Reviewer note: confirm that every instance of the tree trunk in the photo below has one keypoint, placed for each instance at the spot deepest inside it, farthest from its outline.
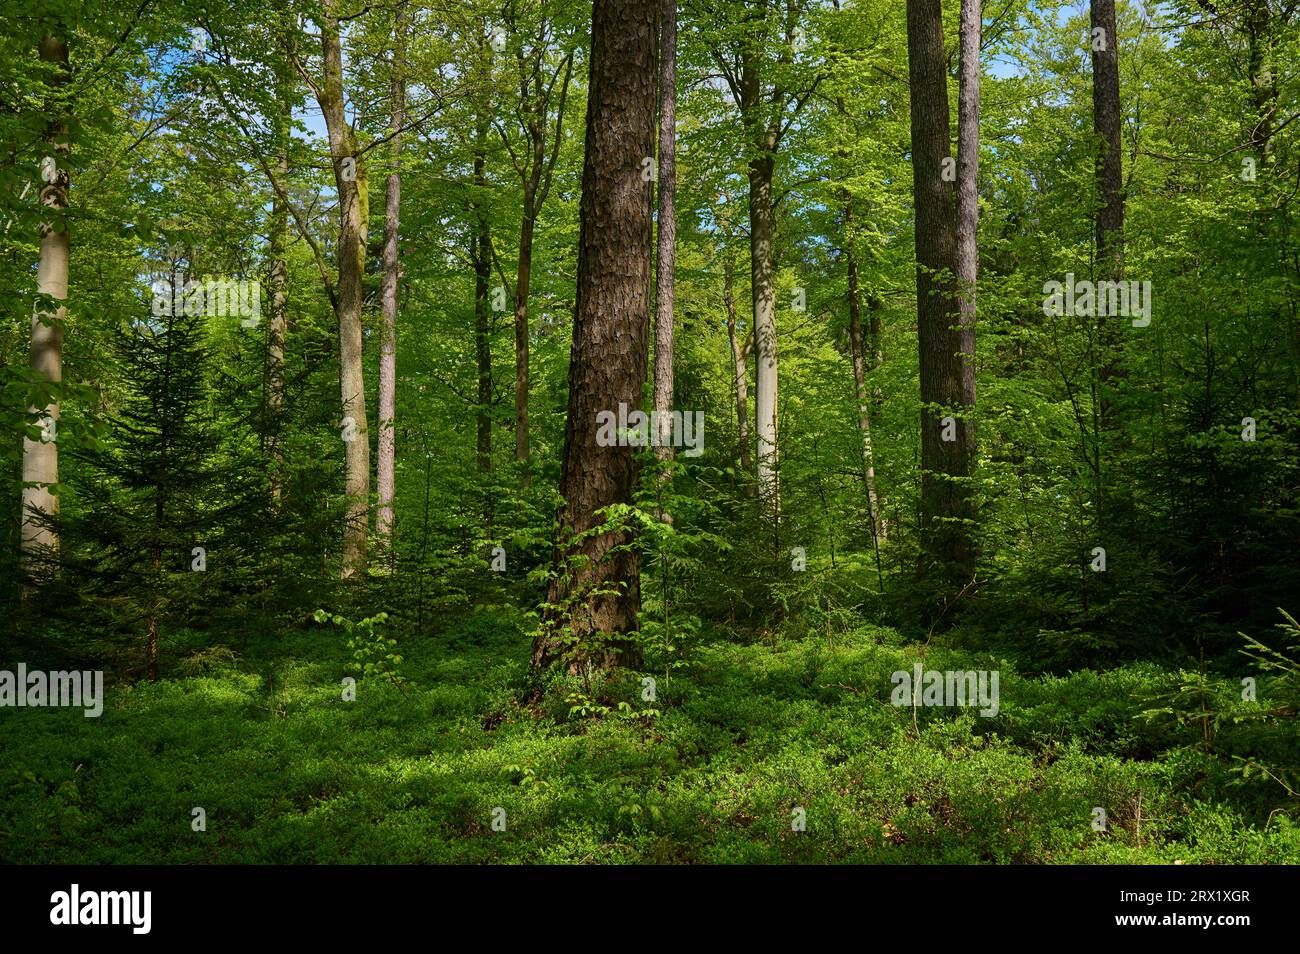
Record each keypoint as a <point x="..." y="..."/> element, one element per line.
<point x="385" y="467"/>
<point x="1108" y="173"/>
<point x="1106" y="125"/>
<point x="41" y="456"/>
<point x="946" y="545"/>
<point x="595" y="593"/>
<point x="763" y="279"/>
<point x="350" y="179"/>
<point x="967" y="255"/>
<point x="857" y="347"/>
<point x="762" y="164"/>
<point x="522" y="280"/>
<point x="535" y="177"/>
<point x="665" y="285"/>
<point x="277" y="330"/>
<point x="738" y="359"/>
<point x="1263" y="83"/>
<point x="482" y="244"/>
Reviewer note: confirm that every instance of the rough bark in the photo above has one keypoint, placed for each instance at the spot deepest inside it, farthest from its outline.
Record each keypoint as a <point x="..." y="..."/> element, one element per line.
<point x="1106" y="125"/>
<point x="385" y="467"/>
<point x="595" y="592"/>
<point x="947" y="549"/>
<point x="350" y="179"/>
<point x="667" y="221"/>
<point x="41" y="457"/>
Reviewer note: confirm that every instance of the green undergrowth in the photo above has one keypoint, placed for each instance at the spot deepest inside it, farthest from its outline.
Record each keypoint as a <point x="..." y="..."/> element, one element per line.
<point x="716" y="768"/>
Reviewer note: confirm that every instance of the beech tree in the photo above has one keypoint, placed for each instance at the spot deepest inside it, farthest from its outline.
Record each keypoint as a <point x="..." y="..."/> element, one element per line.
<point x="351" y="179"/>
<point x="41" y="454"/>
<point x="385" y="478"/>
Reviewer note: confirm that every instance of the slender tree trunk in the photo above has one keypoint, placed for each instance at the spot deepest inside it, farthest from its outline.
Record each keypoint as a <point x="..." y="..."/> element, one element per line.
<point x="597" y="581"/>
<point x="762" y="228"/>
<point x="763" y="283"/>
<point x="857" y="347"/>
<point x="350" y="179"/>
<point x="482" y="277"/>
<point x="522" y="281"/>
<point x="385" y="467"/>
<point x="535" y="178"/>
<point x="945" y="464"/>
<point x="874" y="308"/>
<point x="277" y="330"/>
<point x="665" y="285"/>
<point x="738" y="360"/>
<point x="967" y="255"/>
<point x="41" y="456"/>
<point x="1259" y="67"/>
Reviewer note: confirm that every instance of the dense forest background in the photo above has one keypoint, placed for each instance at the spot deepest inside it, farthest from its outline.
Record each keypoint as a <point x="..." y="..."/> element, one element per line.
<point x="311" y="312"/>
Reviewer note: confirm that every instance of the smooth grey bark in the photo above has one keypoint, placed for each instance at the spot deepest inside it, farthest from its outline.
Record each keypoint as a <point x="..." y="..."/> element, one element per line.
<point x="350" y="178"/>
<point x="857" y="347"/>
<point x="740" y="362"/>
<point x="385" y="467"/>
<point x="41" y="457"/>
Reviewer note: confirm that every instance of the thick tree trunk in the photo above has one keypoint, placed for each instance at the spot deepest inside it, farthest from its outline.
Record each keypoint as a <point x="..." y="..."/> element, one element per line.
<point x="350" y="179"/>
<point x="665" y="285"/>
<point x="595" y="593"/>
<point x="945" y="464"/>
<point x="41" y="457"/>
<point x="857" y="346"/>
<point x="739" y="355"/>
<point x="385" y="467"/>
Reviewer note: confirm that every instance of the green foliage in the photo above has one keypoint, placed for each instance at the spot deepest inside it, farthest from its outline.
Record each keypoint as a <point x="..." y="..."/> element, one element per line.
<point x="713" y="778"/>
<point x="373" y="653"/>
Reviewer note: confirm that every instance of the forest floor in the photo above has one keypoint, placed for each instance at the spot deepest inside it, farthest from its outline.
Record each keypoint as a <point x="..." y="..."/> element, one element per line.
<point x="744" y="735"/>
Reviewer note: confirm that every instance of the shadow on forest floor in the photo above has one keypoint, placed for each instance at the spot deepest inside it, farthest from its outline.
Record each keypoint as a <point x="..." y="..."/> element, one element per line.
<point x="748" y="741"/>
